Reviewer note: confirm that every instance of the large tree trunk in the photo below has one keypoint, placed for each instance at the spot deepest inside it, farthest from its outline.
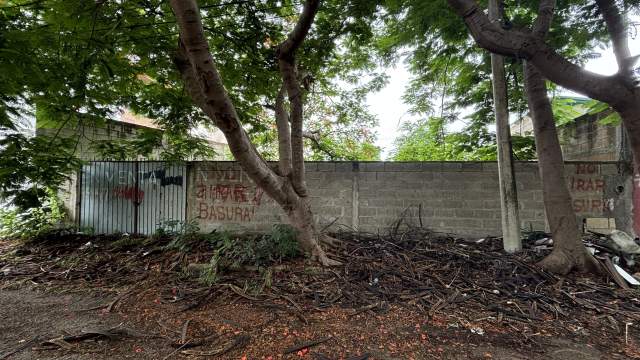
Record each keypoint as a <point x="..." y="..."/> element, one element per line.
<point x="568" y="251"/>
<point x="204" y="84"/>
<point x="301" y="217"/>
<point x="631" y="121"/>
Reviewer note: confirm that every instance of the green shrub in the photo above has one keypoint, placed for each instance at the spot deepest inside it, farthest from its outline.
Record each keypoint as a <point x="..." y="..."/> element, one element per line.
<point x="184" y="234"/>
<point x="233" y="252"/>
<point x="33" y="222"/>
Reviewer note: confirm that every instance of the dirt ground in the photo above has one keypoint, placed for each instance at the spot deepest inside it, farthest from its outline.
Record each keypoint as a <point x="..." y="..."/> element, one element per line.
<point x="398" y="334"/>
<point x="27" y="314"/>
<point x="48" y="293"/>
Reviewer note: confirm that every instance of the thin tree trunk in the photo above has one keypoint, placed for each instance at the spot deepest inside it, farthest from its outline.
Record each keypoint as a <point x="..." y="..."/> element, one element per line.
<point x="204" y="84"/>
<point x="568" y="251"/>
<point x="511" y="239"/>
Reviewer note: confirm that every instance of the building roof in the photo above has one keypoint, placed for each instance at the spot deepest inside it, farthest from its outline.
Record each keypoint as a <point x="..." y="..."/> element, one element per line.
<point x="206" y="133"/>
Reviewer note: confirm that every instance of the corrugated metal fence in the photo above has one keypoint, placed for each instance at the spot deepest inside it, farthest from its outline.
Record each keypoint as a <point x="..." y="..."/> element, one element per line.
<point x="131" y="196"/>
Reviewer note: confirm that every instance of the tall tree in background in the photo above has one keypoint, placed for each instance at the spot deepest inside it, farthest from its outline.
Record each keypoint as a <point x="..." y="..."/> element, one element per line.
<point x="286" y="184"/>
<point x="451" y="77"/>
<point x="442" y="45"/>
<point x="423" y="140"/>
<point x="621" y="90"/>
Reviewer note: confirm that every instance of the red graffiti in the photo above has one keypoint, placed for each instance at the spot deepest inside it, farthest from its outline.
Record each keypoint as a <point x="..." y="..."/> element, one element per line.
<point x="591" y="205"/>
<point x="234" y="193"/>
<point x="257" y="197"/>
<point x="129" y="193"/>
<point x="586" y="169"/>
<point x="587" y="185"/>
<point x="225" y="213"/>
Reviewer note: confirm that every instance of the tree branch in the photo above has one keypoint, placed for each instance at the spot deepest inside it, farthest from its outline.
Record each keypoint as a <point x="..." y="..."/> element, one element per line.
<point x="195" y="63"/>
<point x="526" y="46"/>
<point x="617" y="28"/>
<point x="300" y="31"/>
<point x="542" y="24"/>
<point x="288" y="70"/>
<point x="315" y="138"/>
<point x="284" y="134"/>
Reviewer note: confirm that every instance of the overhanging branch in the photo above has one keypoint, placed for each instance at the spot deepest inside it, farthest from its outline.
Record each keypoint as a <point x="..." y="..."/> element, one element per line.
<point x="617" y="28"/>
<point x="527" y="46"/>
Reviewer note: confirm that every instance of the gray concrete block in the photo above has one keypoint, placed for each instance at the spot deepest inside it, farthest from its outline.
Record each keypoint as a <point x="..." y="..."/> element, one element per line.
<point x="490" y="167"/>
<point x="435" y="167"/>
<point x="327" y="166"/>
<point x="464" y="213"/>
<point x="344" y="166"/>
<point x="368" y="211"/>
<point x="372" y="166"/>
<point x="471" y="166"/>
<point x="451" y="166"/>
<point x="310" y="167"/>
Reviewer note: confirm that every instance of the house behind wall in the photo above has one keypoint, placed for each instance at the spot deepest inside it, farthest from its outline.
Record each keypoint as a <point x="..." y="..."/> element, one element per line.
<point x="587" y="139"/>
<point x="127" y="128"/>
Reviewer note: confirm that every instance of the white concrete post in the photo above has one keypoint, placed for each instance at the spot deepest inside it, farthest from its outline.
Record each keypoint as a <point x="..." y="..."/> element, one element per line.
<point x="512" y="241"/>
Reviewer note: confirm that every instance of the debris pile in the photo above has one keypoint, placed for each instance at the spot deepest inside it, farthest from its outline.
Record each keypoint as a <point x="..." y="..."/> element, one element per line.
<point x="436" y="274"/>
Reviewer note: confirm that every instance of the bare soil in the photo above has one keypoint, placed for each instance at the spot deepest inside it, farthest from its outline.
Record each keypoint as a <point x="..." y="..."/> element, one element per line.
<point x="55" y="290"/>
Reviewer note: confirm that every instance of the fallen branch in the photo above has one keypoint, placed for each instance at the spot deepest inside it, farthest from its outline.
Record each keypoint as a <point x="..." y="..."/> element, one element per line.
<point x="20" y="348"/>
<point x="305" y="345"/>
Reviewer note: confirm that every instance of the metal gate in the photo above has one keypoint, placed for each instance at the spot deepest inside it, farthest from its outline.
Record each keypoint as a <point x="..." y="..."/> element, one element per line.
<point x="131" y="196"/>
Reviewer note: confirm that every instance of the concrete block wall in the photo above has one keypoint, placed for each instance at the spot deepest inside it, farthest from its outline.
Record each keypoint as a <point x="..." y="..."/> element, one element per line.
<point x="457" y="197"/>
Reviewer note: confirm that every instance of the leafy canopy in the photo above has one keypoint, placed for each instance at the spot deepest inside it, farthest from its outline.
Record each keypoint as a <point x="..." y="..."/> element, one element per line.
<point x="75" y="63"/>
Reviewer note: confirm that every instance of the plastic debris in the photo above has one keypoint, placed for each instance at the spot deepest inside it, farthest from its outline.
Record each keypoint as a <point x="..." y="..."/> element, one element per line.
<point x="624" y="242"/>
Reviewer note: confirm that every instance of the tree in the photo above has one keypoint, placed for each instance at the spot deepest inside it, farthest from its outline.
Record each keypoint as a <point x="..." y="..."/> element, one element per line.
<point x="427" y="140"/>
<point x="286" y="184"/>
<point x="69" y="64"/>
<point x="452" y="76"/>
<point x="91" y="56"/>
<point x="568" y="251"/>
<point x="621" y="91"/>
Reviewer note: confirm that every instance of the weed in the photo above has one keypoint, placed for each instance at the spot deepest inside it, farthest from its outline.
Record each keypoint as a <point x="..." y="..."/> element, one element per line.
<point x="234" y="252"/>
<point x="209" y="274"/>
<point x="184" y="234"/>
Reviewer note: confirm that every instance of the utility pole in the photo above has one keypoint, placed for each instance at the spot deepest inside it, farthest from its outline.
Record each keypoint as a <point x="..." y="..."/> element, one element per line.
<point x="511" y="238"/>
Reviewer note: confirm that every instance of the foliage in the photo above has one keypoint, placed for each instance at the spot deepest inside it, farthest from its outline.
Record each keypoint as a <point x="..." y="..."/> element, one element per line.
<point x="427" y="140"/>
<point x="155" y="144"/>
<point x="452" y="75"/>
<point x="32" y="222"/>
<point x="26" y="168"/>
<point x="75" y="64"/>
<point x="231" y="251"/>
<point x="183" y="234"/>
<point x="568" y="109"/>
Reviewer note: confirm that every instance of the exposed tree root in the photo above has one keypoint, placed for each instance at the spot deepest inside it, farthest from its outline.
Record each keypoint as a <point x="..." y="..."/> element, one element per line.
<point x="562" y="262"/>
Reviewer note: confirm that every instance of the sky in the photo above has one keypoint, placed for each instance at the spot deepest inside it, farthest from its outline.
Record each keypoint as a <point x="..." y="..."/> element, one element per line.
<point x="391" y="111"/>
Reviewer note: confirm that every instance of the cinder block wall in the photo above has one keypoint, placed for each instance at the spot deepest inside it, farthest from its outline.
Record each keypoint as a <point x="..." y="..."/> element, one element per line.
<point x="457" y="197"/>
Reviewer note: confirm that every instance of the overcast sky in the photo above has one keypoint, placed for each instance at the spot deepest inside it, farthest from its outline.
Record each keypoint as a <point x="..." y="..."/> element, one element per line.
<point x="391" y="111"/>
